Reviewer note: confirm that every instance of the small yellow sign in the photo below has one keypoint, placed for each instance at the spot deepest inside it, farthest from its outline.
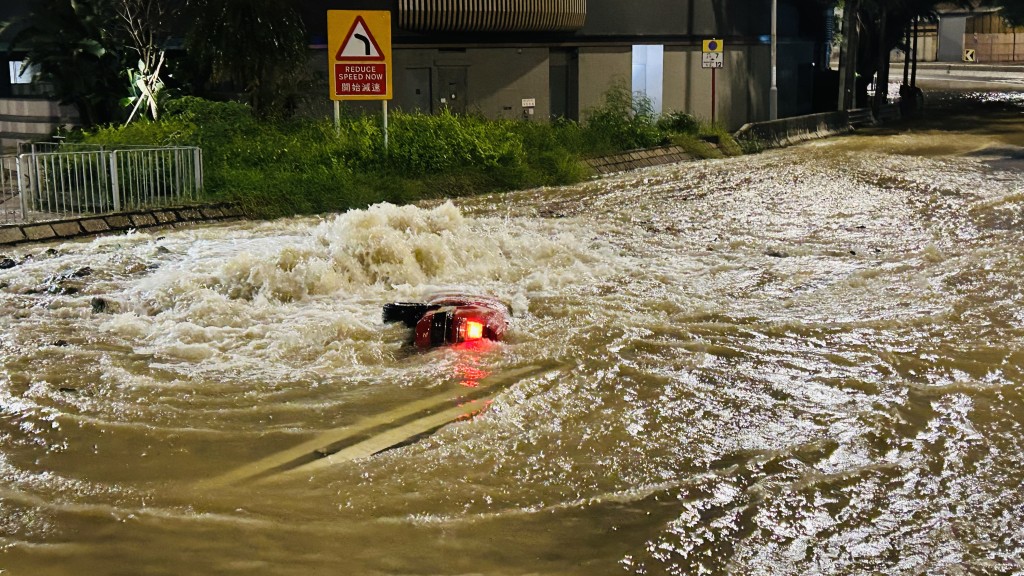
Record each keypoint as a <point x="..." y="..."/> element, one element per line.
<point x="359" y="45"/>
<point x="969" y="55"/>
<point x="714" y="45"/>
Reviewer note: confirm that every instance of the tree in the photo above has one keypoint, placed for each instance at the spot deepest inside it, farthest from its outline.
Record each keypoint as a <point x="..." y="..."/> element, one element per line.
<point x="69" y="46"/>
<point x="147" y="26"/>
<point x="882" y="25"/>
<point x="1012" y="10"/>
<point x="255" y="47"/>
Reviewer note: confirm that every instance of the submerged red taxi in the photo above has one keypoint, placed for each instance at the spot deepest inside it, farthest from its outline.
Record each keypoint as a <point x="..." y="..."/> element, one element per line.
<point x="451" y="319"/>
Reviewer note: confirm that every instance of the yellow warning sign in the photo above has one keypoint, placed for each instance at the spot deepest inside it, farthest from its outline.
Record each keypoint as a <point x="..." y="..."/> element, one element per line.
<point x="359" y="43"/>
<point x="969" y="55"/>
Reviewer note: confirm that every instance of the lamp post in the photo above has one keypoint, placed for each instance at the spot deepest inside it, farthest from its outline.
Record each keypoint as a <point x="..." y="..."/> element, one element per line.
<point x="773" y="93"/>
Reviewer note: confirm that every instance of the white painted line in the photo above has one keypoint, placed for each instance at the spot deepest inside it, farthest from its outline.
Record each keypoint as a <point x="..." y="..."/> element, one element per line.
<point x="437" y="409"/>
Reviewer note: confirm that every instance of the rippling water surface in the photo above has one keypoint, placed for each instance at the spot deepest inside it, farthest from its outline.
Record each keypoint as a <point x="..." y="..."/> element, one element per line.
<point x="805" y="361"/>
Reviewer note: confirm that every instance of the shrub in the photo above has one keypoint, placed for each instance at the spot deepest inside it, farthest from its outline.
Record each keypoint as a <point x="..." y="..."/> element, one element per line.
<point x="679" y="123"/>
<point x="277" y="167"/>
<point x="624" y="121"/>
<point x="421" y="144"/>
<point x="726" y="143"/>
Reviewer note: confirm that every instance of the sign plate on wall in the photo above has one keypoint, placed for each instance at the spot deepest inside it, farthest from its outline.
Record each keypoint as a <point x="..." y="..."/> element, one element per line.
<point x="712" y="54"/>
<point x="712" y="60"/>
<point x="359" y="43"/>
<point x="713" y="45"/>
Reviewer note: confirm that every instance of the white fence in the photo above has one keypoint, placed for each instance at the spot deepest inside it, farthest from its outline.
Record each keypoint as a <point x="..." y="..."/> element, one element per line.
<point x="141" y="177"/>
<point x="11" y="209"/>
<point x="65" y="183"/>
<point x="41" y="184"/>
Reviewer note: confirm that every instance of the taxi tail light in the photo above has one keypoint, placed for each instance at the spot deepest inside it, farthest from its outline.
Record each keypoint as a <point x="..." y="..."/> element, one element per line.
<point x="474" y="330"/>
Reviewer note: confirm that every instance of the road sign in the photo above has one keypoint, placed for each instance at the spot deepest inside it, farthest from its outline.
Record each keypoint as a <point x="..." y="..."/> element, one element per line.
<point x="713" y="57"/>
<point x="713" y="45"/>
<point x="712" y="60"/>
<point x="360" y="42"/>
<point x="969" y="55"/>
<point x="713" y="54"/>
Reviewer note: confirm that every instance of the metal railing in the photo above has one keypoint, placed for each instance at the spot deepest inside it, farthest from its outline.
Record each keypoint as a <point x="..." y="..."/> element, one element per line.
<point x="66" y="183"/>
<point x="44" y="147"/>
<point x="11" y="208"/>
<point x="69" y="181"/>
<point x="154" y="176"/>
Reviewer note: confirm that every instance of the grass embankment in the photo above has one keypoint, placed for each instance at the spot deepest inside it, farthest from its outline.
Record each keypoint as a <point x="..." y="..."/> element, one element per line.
<point x="302" y="166"/>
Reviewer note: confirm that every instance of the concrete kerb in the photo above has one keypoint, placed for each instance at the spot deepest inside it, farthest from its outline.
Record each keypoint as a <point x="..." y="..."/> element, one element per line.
<point x="772" y="134"/>
<point x="789" y="131"/>
<point x="973" y="69"/>
<point x="635" y="159"/>
<point x="94" y="225"/>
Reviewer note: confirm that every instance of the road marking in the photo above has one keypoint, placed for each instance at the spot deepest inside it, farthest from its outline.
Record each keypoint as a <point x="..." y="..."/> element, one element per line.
<point x="379" y="432"/>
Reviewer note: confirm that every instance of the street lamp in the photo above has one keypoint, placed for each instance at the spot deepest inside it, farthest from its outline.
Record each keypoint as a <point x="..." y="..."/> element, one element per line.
<point x="773" y="94"/>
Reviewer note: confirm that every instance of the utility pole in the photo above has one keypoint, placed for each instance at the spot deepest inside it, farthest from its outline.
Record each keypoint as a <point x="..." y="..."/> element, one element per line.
<point x="882" y="75"/>
<point x="906" y="56"/>
<point x="773" y="93"/>
<point x="913" y="63"/>
<point x="848" y="56"/>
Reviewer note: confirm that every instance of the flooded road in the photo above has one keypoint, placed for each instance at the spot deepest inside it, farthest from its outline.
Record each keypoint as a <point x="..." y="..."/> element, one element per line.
<point x="806" y="361"/>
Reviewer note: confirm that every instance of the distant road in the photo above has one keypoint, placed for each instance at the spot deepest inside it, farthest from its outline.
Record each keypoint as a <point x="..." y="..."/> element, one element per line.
<point x="961" y="76"/>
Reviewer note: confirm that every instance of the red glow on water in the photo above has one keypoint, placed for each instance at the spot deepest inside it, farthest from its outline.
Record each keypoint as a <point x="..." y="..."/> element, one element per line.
<point x="470" y="376"/>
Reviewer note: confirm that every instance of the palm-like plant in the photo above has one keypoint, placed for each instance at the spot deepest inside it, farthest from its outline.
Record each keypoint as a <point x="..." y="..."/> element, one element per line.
<point x="147" y="26"/>
<point x="69" y="47"/>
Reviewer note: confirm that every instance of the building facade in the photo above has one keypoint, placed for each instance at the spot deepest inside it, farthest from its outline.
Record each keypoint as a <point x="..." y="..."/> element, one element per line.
<point x="979" y="36"/>
<point x="543" y="59"/>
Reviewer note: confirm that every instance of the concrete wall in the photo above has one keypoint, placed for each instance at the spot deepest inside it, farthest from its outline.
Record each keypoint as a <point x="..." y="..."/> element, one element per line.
<point x="498" y="90"/>
<point x="497" y="80"/>
<point x="492" y="81"/>
<point x="599" y="69"/>
<point x="31" y="119"/>
<point x="1007" y="47"/>
<point x="638" y="18"/>
<point x="989" y="48"/>
<point x="740" y="86"/>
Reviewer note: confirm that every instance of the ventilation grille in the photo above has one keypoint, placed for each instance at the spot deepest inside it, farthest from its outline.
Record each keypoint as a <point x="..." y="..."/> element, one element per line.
<point x="492" y="15"/>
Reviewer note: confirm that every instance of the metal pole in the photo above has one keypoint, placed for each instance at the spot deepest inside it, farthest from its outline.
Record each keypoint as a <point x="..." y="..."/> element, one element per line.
<point x="773" y="94"/>
<point x="385" y="124"/>
<point x="713" y="103"/>
<point x="848" y="57"/>
<point x="115" y="183"/>
<point x="913" y="63"/>
<point x="906" y="58"/>
<point x="882" y="74"/>
<point x="22" y="191"/>
<point x="337" y="116"/>
<point x="198" y="160"/>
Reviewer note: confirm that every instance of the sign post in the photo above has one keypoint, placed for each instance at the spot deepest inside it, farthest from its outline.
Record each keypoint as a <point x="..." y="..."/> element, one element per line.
<point x="359" y="43"/>
<point x="713" y="57"/>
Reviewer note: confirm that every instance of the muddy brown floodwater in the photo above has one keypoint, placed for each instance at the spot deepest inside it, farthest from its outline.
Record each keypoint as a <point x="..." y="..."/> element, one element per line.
<point x="806" y="361"/>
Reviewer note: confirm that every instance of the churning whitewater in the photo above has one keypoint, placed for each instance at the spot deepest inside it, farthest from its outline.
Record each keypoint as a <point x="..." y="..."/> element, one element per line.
<point x="805" y="361"/>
